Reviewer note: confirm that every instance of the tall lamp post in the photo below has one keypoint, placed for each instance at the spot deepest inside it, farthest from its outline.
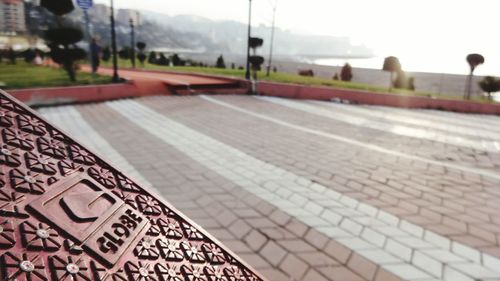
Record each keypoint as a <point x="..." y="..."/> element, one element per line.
<point x="132" y="42"/>
<point x="115" y="78"/>
<point x="247" y="74"/>
<point x="269" y="65"/>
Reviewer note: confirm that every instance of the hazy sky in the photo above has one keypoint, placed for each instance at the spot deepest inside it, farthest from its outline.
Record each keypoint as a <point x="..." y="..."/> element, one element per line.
<point x="435" y="35"/>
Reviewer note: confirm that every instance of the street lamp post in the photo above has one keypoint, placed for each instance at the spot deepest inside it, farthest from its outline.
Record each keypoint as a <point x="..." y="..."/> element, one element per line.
<point x="269" y="65"/>
<point x="247" y="74"/>
<point x="115" y="78"/>
<point x="132" y="42"/>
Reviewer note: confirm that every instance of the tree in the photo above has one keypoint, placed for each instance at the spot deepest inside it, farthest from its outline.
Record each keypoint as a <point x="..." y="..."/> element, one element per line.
<point x="220" y="62"/>
<point x="489" y="85"/>
<point x="176" y="60"/>
<point x="58" y="7"/>
<point x="152" y="57"/>
<point x="474" y="60"/>
<point x="63" y="50"/>
<point x="62" y="40"/>
<point x="163" y="60"/>
<point x="256" y="42"/>
<point x="106" y="54"/>
<point x="29" y="55"/>
<point x="346" y="73"/>
<point x="125" y="53"/>
<point x="391" y="64"/>
<point x="141" y="56"/>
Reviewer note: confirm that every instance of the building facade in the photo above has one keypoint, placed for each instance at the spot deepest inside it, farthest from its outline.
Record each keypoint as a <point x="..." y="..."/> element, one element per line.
<point x="123" y="16"/>
<point x="12" y="17"/>
<point x="100" y="13"/>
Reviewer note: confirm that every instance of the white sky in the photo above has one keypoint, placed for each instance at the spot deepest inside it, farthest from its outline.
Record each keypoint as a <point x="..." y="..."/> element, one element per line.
<point x="432" y="35"/>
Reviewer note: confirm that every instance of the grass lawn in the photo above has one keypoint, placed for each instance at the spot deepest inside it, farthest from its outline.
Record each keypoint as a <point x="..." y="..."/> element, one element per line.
<point x="23" y="75"/>
<point x="282" y="77"/>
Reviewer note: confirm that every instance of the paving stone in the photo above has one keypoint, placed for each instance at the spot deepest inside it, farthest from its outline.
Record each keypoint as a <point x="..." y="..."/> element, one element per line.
<point x="273" y="253"/>
<point x="317" y="258"/>
<point x="362" y="266"/>
<point x="296" y="246"/>
<point x="340" y="274"/>
<point x="338" y="251"/>
<point x="312" y="274"/>
<point x="294" y="266"/>
<point x="240" y="228"/>
<point x="255" y="240"/>
<point x="275" y="275"/>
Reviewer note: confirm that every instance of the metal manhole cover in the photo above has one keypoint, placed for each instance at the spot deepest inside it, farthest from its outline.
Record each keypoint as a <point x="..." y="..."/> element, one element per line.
<point x="65" y="214"/>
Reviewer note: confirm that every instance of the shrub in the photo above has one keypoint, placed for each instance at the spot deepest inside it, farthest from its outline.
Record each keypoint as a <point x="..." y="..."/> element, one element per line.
<point x="106" y="54"/>
<point x="163" y="60"/>
<point x="152" y="58"/>
<point x="220" y="62"/>
<point x="63" y="50"/>
<point x="489" y="85"/>
<point x="346" y="73"/>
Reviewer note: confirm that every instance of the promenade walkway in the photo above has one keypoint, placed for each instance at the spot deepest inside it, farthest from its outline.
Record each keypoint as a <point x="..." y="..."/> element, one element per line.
<point x="306" y="190"/>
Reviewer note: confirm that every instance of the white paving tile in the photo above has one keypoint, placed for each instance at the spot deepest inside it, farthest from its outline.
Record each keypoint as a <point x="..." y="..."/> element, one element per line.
<point x="406" y="271"/>
<point x="398" y="249"/>
<point x="380" y="257"/>
<point x="428" y="264"/>
<point x="444" y="256"/>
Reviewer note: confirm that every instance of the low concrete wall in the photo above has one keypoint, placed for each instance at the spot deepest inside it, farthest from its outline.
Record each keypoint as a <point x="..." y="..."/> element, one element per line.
<point x="370" y="98"/>
<point x="91" y="93"/>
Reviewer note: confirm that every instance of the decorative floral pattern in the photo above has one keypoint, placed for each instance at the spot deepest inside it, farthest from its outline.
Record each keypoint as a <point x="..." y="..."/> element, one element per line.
<point x="40" y="163"/>
<point x="193" y="252"/>
<point x="39" y="236"/>
<point x="213" y="253"/>
<point x="168" y="272"/>
<point x="9" y="204"/>
<point x="69" y="268"/>
<point x="25" y="267"/>
<point x="18" y="139"/>
<point x="103" y="176"/>
<point x="215" y="273"/>
<point x="7" y="238"/>
<point x="27" y="182"/>
<point x="191" y="232"/>
<point x="5" y="118"/>
<point x="31" y="125"/>
<point x="9" y="156"/>
<point x="146" y="249"/>
<point x="80" y="155"/>
<point x="170" y="250"/>
<point x="52" y="147"/>
<point x="193" y="273"/>
<point x="148" y="205"/>
<point x="140" y="272"/>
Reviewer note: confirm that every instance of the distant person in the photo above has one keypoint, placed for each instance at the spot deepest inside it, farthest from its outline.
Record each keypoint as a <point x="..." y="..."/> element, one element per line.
<point x="38" y="59"/>
<point x="95" y="51"/>
<point x="11" y="55"/>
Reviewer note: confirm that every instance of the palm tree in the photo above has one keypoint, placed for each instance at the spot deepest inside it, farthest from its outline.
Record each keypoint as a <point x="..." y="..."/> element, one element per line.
<point x="474" y="60"/>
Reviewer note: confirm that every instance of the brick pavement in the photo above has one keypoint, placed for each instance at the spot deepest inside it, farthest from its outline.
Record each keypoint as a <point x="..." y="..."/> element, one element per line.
<point x="419" y="200"/>
<point x="279" y="246"/>
<point x="485" y="141"/>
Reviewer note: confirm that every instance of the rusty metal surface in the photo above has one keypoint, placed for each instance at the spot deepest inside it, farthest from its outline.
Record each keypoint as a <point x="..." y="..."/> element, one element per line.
<point x="66" y="214"/>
